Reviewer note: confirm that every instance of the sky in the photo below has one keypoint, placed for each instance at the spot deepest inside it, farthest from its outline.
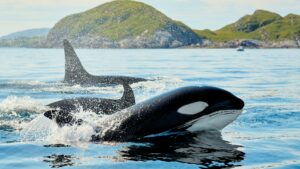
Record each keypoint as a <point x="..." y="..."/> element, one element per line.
<point x="16" y="15"/>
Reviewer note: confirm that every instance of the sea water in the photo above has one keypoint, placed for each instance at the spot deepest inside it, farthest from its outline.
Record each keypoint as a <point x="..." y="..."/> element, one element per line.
<point x="265" y="135"/>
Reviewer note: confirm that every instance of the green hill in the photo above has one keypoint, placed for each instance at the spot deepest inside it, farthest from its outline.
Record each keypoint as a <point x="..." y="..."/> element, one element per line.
<point x="121" y="23"/>
<point x="206" y="33"/>
<point x="261" y="25"/>
<point x="285" y="28"/>
<point x="250" y="23"/>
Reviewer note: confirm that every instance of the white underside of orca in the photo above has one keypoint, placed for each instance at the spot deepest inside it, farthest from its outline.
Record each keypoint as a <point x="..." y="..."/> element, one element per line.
<point x="214" y="121"/>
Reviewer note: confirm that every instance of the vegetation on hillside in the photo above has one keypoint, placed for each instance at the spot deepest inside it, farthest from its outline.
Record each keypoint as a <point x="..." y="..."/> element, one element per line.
<point x="114" y="20"/>
<point x="117" y="20"/>
<point x="261" y="25"/>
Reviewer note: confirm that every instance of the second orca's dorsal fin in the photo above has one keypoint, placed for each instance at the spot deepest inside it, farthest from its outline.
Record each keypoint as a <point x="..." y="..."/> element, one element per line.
<point x="128" y="95"/>
<point x="74" y="71"/>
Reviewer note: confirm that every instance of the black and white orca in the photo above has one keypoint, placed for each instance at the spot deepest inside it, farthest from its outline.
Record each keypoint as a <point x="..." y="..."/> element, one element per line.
<point x="190" y="109"/>
<point x="61" y="110"/>
<point x="75" y="73"/>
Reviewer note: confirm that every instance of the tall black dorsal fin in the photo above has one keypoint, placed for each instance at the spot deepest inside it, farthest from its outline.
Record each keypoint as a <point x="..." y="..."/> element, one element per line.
<point x="74" y="71"/>
<point x="128" y="95"/>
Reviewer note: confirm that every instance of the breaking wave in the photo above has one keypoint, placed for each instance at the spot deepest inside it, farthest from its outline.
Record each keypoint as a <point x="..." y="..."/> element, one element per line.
<point x="17" y="111"/>
<point x="46" y="131"/>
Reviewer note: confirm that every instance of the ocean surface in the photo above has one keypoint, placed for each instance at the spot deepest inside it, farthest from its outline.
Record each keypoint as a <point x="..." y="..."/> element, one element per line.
<point x="265" y="135"/>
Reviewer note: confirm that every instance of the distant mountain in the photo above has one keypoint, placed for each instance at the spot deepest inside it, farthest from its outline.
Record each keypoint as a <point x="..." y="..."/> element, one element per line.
<point x="31" y="38"/>
<point x="261" y="25"/>
<point x="24" y="42"/>
<point x="130" y="24"/>
<point x="122" y="24"/>
<point x="40" y="32"/>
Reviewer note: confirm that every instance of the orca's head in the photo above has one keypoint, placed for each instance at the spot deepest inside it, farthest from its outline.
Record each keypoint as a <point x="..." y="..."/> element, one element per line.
<point x="209" y="107"/>
<point x="62" y="118"/>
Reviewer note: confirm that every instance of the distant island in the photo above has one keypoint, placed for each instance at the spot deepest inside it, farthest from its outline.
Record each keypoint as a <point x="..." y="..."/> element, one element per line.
<point x="261" y="29"/>
<point x="31" y="38"/>
<point x="131" y="24"/>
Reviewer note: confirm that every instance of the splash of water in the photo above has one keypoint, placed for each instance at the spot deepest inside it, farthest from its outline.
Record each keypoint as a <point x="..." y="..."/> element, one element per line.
<point x="13" y="104"/>
<point x="45" y="131"/>
<point x="17" y="111"/>
<point x="153" y="86"/>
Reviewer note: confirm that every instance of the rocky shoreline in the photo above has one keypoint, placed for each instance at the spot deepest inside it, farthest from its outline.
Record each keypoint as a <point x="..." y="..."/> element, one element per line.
<point x="156" y="43"/>
<point x="248" y="43"/>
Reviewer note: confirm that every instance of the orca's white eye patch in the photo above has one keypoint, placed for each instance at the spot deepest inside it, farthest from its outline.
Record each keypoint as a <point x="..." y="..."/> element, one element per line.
<point x="192" y="108"/>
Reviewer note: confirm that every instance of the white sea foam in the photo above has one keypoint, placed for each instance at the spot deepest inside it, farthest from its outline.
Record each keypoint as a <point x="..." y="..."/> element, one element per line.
<point x="158" y="85"/>
<point x="27" y="82"/>
<point x="17" y="111"/>
<point x="46" y="131"/>
<point x="82" y="89"/>
<point x="13" y="104"/>
<point x="155" y="85"/>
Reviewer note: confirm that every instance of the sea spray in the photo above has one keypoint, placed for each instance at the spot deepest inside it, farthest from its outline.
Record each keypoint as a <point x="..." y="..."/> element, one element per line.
<point x="37" y="130"/>
<point x="42" y="130"/>
<point x="153" y="86"/>
<point x="13" y="104"/>
<point x="17" y="111"/>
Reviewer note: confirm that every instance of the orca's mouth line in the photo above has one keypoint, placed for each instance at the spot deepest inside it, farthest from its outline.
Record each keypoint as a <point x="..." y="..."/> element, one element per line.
<point x="227" y="105"/>
<point x="237" y="112"/>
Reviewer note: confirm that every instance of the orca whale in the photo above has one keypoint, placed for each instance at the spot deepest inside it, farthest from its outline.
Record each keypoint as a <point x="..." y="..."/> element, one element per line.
<point x="75" y="73"/>
<point x="190" y="109"/>
<point x="61" y="109"/>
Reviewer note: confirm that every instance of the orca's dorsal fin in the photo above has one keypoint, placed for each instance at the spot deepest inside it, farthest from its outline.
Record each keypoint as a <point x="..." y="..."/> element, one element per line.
<point x="128" y="95"/>
<point x="74" y="71"/>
